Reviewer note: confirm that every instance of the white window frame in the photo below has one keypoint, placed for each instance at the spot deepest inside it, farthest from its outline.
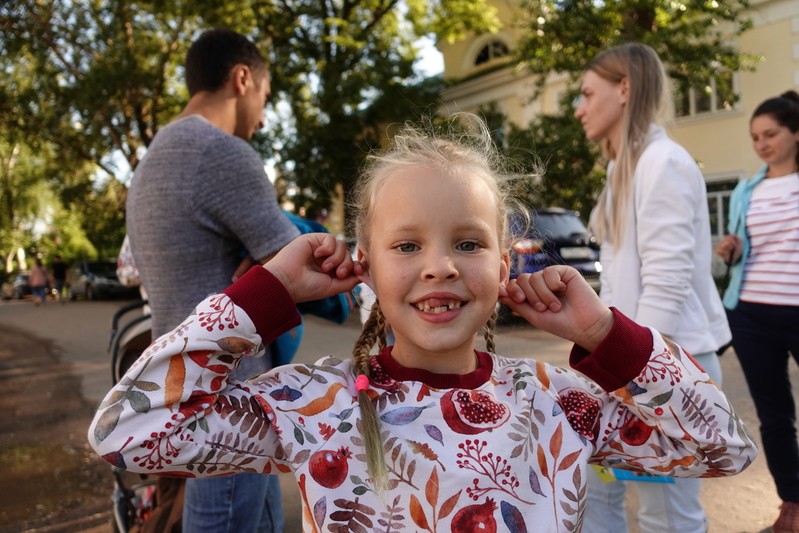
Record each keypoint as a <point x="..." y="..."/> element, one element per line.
<point x="715" y="107"/>
<point x="721" y="199"/>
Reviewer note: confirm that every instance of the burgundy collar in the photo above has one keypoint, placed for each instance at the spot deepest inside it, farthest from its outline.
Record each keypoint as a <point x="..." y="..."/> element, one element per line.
<point x="472" y="380"/>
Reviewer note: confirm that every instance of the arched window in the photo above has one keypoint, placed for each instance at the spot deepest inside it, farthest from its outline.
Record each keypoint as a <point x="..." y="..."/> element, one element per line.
<point x="491" y="51"/>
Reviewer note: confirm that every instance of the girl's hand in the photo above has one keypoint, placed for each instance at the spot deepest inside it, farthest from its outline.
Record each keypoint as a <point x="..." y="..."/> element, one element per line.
<point x="730" y="249"/>
<point x="314" y="266"/>
<point x="558" y="300"/>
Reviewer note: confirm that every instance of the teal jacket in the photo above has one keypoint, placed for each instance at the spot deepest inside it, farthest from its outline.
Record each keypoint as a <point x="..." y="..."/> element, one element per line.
<point x="739" y="205"/>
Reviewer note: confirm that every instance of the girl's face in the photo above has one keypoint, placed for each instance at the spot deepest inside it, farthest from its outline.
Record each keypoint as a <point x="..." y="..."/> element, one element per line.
<point x="601" y="107"/>
<point x="435" y="264"/>
<point x="773" y="142"/>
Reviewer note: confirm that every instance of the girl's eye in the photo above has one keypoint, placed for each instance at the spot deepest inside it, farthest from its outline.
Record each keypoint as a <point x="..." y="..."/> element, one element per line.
<point x="468" y="246"/>
<point x="406" y="247"/>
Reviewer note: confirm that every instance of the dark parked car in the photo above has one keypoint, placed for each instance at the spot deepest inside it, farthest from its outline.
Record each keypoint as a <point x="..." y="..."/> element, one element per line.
<point x="17" y="287"/>
<point x="97" y="279"/>
<point x="555" y="236"/>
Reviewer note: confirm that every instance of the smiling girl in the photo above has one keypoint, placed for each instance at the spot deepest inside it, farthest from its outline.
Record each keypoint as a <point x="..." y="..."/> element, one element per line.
<point x="432" y="433"/>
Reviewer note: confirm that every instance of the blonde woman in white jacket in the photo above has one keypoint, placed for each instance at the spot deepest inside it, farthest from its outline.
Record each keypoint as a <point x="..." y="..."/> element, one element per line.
<point x="652" y="220"/>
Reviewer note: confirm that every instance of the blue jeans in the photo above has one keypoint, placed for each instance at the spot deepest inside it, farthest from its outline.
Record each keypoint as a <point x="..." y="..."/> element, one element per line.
<point x="764" y="337"/>
<point x="664" y="507"/>
<point x="242" y="503"/>
<point x="40" y="293"/>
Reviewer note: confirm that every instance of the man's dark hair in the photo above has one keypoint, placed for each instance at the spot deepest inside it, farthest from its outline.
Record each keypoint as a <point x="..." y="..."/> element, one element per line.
<point x="214" y="53"/>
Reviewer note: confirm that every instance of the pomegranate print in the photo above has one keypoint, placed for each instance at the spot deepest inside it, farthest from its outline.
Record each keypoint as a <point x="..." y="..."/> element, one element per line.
<point x="470" y="412"/>
<point x="581" y="410"/>
<point x="635" y="432"/>
<point x="476" y="518"/>
<point x="329" y="468"/>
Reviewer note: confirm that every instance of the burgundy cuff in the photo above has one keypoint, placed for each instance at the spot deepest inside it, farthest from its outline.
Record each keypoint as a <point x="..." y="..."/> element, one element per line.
<point x="619" y="358"/>
<point x="267" y="303"/>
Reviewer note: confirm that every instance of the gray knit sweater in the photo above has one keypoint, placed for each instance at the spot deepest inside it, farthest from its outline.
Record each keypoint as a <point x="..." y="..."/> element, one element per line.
<point x="198" y="199"/>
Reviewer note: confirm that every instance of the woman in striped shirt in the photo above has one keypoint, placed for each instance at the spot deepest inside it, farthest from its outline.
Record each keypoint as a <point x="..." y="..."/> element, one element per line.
<point x="762" y="299"/>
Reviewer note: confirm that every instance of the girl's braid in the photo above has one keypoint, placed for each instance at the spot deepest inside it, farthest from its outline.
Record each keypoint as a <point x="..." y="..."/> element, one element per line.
<point x="488" y="331"/>
<point x="369" y="334"/>
<point x="381" y="326"/>
<point x="370" y="423"/>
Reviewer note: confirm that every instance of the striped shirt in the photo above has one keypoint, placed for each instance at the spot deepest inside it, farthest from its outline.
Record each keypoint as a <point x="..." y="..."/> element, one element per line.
<point x="771" y="272"/>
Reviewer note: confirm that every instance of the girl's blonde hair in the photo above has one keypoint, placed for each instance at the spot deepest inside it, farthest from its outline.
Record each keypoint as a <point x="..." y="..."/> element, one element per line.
<point x="466" y="153"/>
<point x="647" y="103"/>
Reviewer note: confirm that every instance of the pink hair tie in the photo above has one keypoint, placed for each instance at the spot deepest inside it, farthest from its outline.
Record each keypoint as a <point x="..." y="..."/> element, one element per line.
<point x="361" y="382"/>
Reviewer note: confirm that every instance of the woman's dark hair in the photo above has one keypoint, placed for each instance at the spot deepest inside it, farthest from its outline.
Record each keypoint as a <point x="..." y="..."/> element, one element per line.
<point x="214" y="54"/>
<point x="785" y="110"/>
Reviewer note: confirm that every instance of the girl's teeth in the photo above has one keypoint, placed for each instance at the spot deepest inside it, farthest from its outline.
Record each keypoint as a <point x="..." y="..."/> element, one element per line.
<point x="439" y="309"/>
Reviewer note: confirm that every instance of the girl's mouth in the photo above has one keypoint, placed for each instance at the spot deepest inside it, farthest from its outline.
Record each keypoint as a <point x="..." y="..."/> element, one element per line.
<point x="436" y="306"/>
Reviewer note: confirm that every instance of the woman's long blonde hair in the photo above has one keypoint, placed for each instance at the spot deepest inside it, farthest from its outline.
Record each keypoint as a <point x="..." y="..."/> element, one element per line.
<point x="647" y="103"/>
<point x="466" y="154"/>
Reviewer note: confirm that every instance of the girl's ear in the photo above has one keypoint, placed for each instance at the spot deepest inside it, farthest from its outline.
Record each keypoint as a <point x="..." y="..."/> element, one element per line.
<point x="504" y="269"/>
<point x="363" y="259"/>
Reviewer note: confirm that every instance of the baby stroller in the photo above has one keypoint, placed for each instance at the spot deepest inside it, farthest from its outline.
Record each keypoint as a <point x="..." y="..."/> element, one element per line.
<point x="133" y="493"/>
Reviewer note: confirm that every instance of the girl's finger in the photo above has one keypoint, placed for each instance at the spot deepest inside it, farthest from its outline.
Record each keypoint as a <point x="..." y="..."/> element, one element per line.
<point x="534" y="291"/>
<point x="547" y="284"/>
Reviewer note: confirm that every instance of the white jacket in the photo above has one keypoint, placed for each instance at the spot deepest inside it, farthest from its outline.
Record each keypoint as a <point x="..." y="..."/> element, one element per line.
<point x="661" y="274"/>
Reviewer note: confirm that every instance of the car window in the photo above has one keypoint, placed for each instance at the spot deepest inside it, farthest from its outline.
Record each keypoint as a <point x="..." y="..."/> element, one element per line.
<point x="558" y="225"/>
<point x="103" y="268"/>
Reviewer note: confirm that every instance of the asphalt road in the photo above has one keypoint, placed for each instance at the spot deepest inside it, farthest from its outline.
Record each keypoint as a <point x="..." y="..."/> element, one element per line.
<point x="54" y="369"/>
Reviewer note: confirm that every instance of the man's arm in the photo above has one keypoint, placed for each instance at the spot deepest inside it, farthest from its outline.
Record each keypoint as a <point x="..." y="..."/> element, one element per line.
<point x="247" y="263"/>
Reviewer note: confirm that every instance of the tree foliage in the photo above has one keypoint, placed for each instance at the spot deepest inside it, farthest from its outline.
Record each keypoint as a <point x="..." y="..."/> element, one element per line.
<point x="692" y="37"/>
<point x="343" y="71"/>
<point x="91" y="83"/>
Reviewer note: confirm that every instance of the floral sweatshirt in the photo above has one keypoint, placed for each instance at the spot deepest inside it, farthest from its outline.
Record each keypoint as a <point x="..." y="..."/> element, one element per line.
<point x="504" y="448"/>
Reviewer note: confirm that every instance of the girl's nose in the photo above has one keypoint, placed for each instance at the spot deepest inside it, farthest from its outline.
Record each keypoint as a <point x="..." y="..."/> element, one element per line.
<point x="440" y="266"/>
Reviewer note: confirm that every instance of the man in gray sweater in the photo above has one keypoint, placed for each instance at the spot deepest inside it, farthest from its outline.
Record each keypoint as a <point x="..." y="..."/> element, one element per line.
<point x="198" y="199"/>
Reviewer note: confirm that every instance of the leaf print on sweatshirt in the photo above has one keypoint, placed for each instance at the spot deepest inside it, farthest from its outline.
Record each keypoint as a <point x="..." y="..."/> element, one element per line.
<point x="392" y="519"/>
<point x="131" y="390"/>
<point x="526" y="430"/>
<point x="404" y="415"/>
<point x="317" y="405"/>
<point x="228" y="453"/>
<point x="557" y="466"/>
<point x="351" y="516"/>
<point x="513" y="518"/>
<point x="701" y="415"/>
<point x="316" y="373"/>
<point x="245" y="413"/>
<point x="431" y="495"/>
<point x="397" y="462"/>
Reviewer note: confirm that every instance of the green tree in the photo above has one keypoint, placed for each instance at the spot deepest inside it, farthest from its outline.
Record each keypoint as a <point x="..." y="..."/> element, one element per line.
<point x="692" y="37"/>
<point x="343" y="71"/>
<point x="96" y="79"/>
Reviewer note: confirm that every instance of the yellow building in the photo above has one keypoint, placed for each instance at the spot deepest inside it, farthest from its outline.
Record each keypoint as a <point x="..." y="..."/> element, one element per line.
<point x="715" y="133"/>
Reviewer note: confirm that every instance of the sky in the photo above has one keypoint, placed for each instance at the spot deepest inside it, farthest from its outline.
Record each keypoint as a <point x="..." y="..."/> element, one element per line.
<point x="432" y="61"/>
